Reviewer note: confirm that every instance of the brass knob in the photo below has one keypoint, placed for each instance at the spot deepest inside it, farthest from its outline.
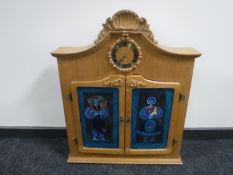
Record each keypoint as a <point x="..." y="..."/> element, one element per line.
<point x="128" y="121"/>
<point x="122" y="119"/>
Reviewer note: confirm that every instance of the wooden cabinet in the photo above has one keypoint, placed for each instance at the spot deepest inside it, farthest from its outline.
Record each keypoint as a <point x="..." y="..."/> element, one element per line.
<point x="125" y="96"/>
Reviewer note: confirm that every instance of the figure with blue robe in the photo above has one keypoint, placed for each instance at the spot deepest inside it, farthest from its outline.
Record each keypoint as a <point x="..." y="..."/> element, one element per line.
<point x="149" y="116"/>
<point x="97" y="113"/>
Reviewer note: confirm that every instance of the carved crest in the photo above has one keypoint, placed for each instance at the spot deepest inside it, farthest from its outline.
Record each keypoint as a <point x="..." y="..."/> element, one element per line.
<point x="126" y="20"/>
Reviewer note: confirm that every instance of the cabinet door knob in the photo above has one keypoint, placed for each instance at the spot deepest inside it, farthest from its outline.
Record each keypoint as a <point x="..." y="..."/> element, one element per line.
<point x="122" y="119"/>
<point x="128" y="121"/>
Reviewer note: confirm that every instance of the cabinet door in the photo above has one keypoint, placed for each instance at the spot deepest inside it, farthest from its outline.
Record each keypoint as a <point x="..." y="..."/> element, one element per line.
<point x="151" y="109"/>
<point x="98" y="107"/>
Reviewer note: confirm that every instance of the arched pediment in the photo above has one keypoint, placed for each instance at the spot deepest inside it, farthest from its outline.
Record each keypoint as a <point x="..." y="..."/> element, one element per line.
<point x="125" y="21"/>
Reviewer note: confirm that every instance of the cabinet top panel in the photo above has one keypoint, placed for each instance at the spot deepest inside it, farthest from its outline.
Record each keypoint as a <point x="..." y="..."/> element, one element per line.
<point x="125" y="23"/>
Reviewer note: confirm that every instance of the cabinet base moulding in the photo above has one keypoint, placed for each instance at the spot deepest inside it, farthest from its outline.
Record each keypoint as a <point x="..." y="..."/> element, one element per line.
<point x="124" y="160"/>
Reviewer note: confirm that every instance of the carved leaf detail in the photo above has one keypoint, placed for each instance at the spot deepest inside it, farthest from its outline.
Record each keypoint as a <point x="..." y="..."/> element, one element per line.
<point x="134" y="83"/>
<point x="114" y="83"/>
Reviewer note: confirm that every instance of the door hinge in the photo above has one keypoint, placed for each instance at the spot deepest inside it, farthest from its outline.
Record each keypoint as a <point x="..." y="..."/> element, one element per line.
<point x="68" y="96"/>
<point x="174" y="141"/>
<point x="181" y="97"/>
<point x="75" y="140"/>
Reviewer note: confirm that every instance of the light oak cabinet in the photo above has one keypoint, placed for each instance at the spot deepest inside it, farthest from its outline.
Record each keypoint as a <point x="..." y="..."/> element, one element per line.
<point x="125" y="96"/>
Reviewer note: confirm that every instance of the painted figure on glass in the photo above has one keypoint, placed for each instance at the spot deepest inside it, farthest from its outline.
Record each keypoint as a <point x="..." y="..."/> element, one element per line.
<point x="97" y="112"/>
<point x="149" y="116"/>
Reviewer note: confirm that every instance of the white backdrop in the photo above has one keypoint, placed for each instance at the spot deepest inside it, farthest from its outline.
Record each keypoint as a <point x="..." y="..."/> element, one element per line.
<point x="30" y="30"/>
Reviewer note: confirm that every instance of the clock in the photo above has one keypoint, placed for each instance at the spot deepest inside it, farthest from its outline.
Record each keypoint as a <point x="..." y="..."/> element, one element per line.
<point x="125" y="54"/>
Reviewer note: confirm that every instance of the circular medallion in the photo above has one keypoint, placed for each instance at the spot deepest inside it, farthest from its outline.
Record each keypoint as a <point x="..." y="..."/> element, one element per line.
<point x="125" y="54"/>
<point x="150" y="125"/>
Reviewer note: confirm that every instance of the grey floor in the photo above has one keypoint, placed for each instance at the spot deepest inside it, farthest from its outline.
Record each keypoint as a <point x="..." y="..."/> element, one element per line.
<point x="22" y="156"/>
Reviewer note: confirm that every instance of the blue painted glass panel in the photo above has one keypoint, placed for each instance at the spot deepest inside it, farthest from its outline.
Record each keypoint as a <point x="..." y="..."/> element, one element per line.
<point x="99" y="108"/>
<point x="151" y="114"/>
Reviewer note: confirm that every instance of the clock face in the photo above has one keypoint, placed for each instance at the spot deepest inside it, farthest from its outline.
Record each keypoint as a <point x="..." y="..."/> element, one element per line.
<point x="125" y="54"/>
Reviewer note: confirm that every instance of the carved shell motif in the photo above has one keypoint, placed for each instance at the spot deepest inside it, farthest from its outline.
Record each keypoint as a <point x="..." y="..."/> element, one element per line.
<point x="126" y="20"/>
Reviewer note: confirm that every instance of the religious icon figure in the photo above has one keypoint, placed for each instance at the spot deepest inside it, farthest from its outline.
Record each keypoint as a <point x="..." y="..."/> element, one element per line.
<point x="150" y="115"/>
<point x="97" y="112"/>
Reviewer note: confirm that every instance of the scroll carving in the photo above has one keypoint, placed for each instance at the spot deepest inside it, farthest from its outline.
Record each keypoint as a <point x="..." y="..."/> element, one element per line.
<point x="126" y="20"/>
<point x="114" y="83"/>
<point x="136" y="84"/>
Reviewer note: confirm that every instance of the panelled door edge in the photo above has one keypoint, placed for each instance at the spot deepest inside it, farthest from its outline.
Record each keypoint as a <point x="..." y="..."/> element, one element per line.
<point x="99" y="110"/>
<point x="150" y="114"/>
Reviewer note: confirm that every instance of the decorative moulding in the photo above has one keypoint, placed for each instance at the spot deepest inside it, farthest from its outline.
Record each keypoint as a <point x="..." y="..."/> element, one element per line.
<point x="128" y="21"/>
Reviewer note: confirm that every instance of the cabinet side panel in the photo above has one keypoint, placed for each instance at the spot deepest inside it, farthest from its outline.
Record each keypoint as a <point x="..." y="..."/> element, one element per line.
<point x="67" y="105"/>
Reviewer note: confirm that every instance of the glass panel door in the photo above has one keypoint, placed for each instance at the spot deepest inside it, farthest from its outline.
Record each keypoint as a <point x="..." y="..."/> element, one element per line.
<point x="98" y="106"/>
<point x="150" y="115"/>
